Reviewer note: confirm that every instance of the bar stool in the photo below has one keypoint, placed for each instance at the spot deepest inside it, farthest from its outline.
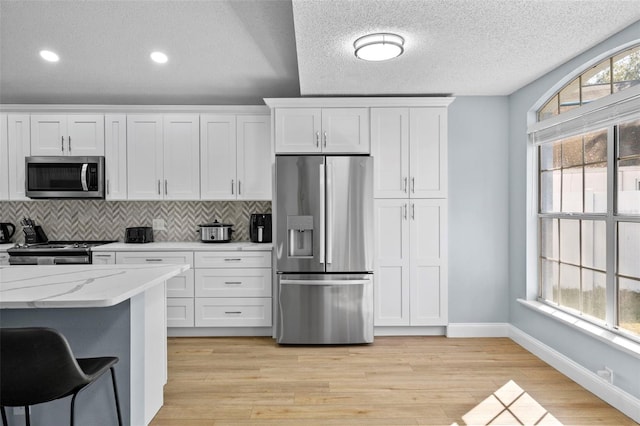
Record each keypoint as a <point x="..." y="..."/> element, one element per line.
<point x="37" y="365"/>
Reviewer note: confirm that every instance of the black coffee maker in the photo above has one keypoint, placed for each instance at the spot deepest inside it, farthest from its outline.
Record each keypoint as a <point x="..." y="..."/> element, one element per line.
<point x="260" y="228"/>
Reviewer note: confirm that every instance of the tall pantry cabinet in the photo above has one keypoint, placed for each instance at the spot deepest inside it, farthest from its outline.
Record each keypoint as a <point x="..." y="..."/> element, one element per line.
<point x="409" y="147"/>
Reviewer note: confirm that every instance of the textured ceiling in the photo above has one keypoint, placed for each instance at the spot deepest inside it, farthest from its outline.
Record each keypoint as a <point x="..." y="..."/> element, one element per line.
<point x="240" y="51"/>
<point x="459" y="47"/>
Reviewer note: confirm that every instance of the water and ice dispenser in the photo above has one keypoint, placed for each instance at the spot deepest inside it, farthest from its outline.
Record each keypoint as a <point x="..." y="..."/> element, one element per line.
<point x="300" y="233"/>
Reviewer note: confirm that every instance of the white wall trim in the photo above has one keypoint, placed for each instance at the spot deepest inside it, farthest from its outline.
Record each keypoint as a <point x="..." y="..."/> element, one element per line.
<point x="362" y="101"/>
<point x="497" y="329"/>
<point x="621" y="400"/>
<point x="137" y="109"/>
<point x="218" y="331"/>
<point x="409" y="331"/>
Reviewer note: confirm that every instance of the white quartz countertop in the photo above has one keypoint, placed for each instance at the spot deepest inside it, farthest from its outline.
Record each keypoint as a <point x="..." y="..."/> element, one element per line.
<point x="4" y="247"/>
<point x="78" y="286"/>
<point x="184" y="245"/>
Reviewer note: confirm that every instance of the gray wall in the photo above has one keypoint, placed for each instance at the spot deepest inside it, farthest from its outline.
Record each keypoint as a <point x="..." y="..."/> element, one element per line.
<point x="478" y="210"/>
<point x="583" y="349"/>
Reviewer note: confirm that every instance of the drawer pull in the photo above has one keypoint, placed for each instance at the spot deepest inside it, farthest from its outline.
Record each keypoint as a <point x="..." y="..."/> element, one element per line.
<point x="233" y="312"/>
<point x="101" y="255"/>
<point x="233" y="282"/>
<point x="153" y="260"/>
<point x="233" y="260"/>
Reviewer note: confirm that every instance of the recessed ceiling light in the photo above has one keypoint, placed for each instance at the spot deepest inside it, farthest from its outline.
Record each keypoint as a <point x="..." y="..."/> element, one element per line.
<point x="379" y="46"/>
<point x="159" y="57"/>
<point x="50" y="56"/>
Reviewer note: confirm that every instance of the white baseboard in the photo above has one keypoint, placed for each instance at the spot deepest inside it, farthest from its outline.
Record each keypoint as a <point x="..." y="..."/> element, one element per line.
<point x="497" y="329"/>
<point x="217" y="331"/>
<point x="409" y="331"/>
<point x="621" y="400"/>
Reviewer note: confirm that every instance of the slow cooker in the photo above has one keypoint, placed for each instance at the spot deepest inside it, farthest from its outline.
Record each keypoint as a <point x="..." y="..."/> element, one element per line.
<point x="215" y="232"/>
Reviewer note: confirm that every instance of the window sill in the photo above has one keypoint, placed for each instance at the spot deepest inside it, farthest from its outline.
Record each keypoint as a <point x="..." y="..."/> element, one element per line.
<point x="617" y="341"/>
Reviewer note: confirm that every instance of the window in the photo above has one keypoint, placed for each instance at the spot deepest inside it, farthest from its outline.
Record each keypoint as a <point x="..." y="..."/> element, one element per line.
<point x="596" y="82"/>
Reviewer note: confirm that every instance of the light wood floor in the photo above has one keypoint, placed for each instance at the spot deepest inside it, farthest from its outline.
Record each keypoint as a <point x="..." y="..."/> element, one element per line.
<point x="395" y="381"/>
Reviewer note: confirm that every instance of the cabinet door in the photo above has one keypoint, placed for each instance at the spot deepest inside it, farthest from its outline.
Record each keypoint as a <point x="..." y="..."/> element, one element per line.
<point x="19" y="139"/>
<point x="218" y="156"/>
<point x="254" y="157"/>
<point x="4" y="159"/>
<point x="49" y="134"/>
<point x="103" y="258"/>
<point x="345" y="130"/>
<point x="181" y="148"/>
<point x="85" y="135"/>
<point x="428" y="227"/>
<point x="180" y="312"/>
<point x="392" y="250"/>
<point x="428" y="147"/>
<point x="298" y="130"/>
<point x="144" y="157"/>
<point x="390" y="151"/>
<point x="115" y="152"/>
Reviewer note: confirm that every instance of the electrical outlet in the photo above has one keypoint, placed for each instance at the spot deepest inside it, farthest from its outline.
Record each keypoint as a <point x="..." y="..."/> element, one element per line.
<point x="158" y="225"/>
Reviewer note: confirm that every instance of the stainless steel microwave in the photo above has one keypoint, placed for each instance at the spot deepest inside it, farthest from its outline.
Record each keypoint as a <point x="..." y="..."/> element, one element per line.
<point x="64" y="177"/>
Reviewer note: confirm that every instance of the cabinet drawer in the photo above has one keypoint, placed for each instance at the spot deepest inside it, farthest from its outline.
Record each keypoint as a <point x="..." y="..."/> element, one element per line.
<point x="102" y="258"/>
<point x="233" y="259"/>
<point x="4" y="258"/>
<point x="233" y="312"/>
<point x="180" y="312"/>
<point x="155" y="257"/>
<point x="219" y="282"/>
<point x="181" y="285"/>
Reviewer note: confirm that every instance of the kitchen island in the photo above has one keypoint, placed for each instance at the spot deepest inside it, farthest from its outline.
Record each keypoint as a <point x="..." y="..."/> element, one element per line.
<point x="103" y="310"/>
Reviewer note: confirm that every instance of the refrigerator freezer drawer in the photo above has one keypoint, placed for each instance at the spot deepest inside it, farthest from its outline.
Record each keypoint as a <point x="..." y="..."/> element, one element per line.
<point x="326" y="310"/>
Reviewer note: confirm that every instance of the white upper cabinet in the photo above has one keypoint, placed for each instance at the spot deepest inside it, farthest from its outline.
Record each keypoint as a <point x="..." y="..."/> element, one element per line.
<point x="162" y="157"/>
<point x="235" y="157"/>
<point x="74" y="134"/>
<point x="115" y="152"/>
<point x="409" y="146"/>
<point x="4" y="159"/>
<point x="18" y="137"/>
<point x="322" y="130"/>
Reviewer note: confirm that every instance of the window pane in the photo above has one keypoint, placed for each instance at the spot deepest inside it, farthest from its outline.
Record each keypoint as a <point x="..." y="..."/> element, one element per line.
<point x="626" y="69"/>
<point x="570" y="286"/>
<point x="549" y="110"/>
<point x="596" y="82"/>
<point x="629" y="186"/>
<point x="549" y="280"/>
<point x="550" y="191"/>
<point x="570" y="96"/>
<point x="594" y="244"/>
<point x="572" y="152"/>
<point x="549" y="238"/>
<point x="595" y="147"/>
<point x="550" y="156"/>
<point x="629" y="139"/>
<point x="629" y="249"/>
<point x="629" y="305"/>
<point x="570" y="241"/>
<point x="594" y="293"/>
<point x="572" y="189"/>
<point x="595" y="188"/>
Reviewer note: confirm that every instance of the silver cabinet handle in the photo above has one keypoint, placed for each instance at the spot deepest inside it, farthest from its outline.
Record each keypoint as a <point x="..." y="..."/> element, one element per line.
<point x="413" y="212"/>
<point x="413" y="185"/>
<point x="233" y="282"/>
<point x="166" y="191"/>
<point x="101" y="255"/>
<point x="318" y="139"/>
<point x="158" y="186"/>
<point x="405" y="186"/>
<point x="405" y="211"/>
<point x="232" y="184"/>
<point x="239" y="187"/>
<point x="233" y="312"/>
<point x="69" y="143"/>
<point x="62" y="144"/>
<point x="107" y="186"/>
<point x="325" y="139"/>
<point x="233" y="259"/>
<point x="153" y="260"/>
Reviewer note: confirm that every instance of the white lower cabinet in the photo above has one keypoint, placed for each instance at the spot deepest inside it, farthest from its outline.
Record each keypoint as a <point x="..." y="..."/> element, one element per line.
<point x="103" y="258"/>
<point x="180" y="312"/>
<point x="233" y="312"/>
<point x="411" y="271"/>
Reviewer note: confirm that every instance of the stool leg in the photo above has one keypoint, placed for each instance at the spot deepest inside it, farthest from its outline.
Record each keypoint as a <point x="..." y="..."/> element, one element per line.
<point x="115" y="393"/>
<point x="73" y="408"/>
<point x="27" y="415"/>
<point x="4" y="417"/>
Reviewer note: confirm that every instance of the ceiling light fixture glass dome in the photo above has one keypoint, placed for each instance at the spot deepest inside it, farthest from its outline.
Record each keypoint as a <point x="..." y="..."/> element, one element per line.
<point x="159" y="57"/>
<point x="379" y="46"/>
<point x="49" y="56"/>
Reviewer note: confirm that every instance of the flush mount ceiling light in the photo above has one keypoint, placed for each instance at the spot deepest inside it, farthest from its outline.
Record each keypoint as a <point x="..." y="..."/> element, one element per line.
<point x="379" y="46"/>
<point x="159" y="57"/>
<point x="49" y="56"/>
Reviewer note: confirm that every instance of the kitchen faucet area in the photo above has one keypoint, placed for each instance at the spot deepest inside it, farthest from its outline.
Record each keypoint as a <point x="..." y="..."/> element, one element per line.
<point x="330" y="212"/>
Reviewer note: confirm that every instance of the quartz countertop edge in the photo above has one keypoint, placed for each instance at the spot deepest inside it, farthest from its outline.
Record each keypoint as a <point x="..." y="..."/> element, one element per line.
<point x="184" y="245"/>
<point x="78" y="286"/>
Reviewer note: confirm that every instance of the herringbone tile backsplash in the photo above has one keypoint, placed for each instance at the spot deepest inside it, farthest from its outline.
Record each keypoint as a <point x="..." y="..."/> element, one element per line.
<point x="107" y="220"/>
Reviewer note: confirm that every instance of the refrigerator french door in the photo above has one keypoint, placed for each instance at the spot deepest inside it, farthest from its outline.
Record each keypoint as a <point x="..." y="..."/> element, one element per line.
<point x="324" y="249"/>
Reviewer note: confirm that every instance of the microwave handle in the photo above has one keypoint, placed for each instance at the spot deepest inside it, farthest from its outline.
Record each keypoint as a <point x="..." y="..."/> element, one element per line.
<point x="83" y="177"/>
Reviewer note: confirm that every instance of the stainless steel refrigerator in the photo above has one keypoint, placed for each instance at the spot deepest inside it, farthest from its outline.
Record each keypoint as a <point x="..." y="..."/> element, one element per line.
<point x="324" y="249"/>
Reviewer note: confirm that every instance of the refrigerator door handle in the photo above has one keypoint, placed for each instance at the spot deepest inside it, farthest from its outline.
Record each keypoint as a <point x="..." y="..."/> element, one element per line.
<point x="322" y="215"/>
<point x="324" y="282"/>
<point x="329" y="213"/>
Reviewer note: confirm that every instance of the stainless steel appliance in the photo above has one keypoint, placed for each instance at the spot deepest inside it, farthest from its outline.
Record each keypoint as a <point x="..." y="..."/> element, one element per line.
<point x="215" y="232"/>
<point x="260" y="228"/>
<point x="324" y="249"/>
<point x="64" y="177"/>
<point x="138" y="234"/>
<point x="6" y="232"/>
<point x="53" y="253"/>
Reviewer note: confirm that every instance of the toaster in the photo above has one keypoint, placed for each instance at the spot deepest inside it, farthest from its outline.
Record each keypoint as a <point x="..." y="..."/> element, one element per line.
<point x="139" y="234"/>
<point x="260" y="228"/>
